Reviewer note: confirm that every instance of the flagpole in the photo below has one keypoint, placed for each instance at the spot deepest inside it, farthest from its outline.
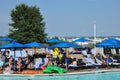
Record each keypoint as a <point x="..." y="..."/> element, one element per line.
<point x="94" y="34"/>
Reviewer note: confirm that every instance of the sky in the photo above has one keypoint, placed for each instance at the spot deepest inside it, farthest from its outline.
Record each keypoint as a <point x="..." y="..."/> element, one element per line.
<point x="70" y="18"/>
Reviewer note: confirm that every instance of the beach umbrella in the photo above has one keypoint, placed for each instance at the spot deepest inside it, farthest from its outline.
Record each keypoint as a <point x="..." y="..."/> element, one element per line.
<point x="66" y="45"/>
<point x="103" y="44"/>
<point x="6" y="39"/>
<point x="35" y="44"/>
<point x="54" y="40"/>
<point x="1" y="47"/>
<point x="110" y="43"/>
<point x="81" y="40"/>
<point x="14" y="45"/>
<point x="112" y="40"/>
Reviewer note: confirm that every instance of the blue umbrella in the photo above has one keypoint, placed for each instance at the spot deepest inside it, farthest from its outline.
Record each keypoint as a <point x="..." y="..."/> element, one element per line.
<point x="54" y="40"/>
<point x="13" y="45"/>
<point x="110" y="43"/>
<point x="66" y="45"/>
<point x="1" y="47"/>
<point x="82" y="40"/>
<point x="35" y="44"/>
<point x="112" y="40"/>
<point x="6" y="39"/>
<point x="104" y="45"/>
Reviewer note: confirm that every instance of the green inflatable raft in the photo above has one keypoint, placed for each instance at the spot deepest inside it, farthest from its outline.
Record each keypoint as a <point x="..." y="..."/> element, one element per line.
<point x="54" y="69"/>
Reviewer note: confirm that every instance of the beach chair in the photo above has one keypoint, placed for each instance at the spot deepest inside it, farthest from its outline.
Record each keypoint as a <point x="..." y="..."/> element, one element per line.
<point x="38" y="63"/>
<point x="102" y="62"/>
<point x="111" y="62"/>
<point x="91" y="63"/>
<point x="73" y="64"/>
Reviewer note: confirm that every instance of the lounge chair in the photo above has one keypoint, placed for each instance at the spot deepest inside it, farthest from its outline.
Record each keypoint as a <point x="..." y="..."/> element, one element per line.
<point x="38" y="63"/>
<point x="91" y="63"/>
<point x="111" y="62"/>
<point x="73" y="65"/>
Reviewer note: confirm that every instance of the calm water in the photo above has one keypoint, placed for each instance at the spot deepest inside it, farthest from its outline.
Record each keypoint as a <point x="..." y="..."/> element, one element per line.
<point x="91" y="76"/>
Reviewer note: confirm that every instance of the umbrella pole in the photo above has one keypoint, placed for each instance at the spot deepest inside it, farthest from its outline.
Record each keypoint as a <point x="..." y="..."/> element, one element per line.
<point x="66" y="57"/>
<point x="20" y="52"/>
<point x="34" y="50"/>
<point x="66" y="64"/>
<point x="14" y="59"/>
<point x="67" y="52"/>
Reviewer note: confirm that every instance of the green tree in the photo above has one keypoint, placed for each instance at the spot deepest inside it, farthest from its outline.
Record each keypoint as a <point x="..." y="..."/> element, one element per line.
<point x="27" y="24"/>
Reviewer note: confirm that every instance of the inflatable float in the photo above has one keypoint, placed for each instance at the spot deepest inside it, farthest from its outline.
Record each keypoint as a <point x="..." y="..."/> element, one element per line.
<point x="54" y="69"/>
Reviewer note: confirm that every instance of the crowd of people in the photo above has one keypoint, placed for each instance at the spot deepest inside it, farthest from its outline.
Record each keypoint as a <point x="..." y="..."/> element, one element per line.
<point x="16" y="61"/>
